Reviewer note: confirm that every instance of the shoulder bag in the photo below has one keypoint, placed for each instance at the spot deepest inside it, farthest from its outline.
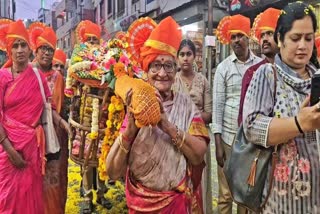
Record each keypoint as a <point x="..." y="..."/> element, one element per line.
<point x="52" y="142"/>
<point x="247" y="169"/>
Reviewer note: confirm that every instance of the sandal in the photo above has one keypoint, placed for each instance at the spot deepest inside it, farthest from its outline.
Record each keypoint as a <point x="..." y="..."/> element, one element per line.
<point x="104" y="202"/>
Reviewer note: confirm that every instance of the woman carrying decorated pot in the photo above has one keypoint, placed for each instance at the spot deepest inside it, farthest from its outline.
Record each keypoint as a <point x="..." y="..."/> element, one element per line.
<point x="159" y="161"/>
<point x="296" y="183"/>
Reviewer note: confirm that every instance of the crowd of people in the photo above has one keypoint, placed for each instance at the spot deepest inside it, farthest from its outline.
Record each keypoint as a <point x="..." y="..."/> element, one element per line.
<point x="162" y="166"/>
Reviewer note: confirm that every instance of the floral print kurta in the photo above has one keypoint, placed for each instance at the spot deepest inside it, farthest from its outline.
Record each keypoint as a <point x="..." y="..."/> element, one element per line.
<point x="296" y="185"/>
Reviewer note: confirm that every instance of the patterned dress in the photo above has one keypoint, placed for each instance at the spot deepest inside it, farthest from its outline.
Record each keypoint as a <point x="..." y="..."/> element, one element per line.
<point x="296" y="186"/>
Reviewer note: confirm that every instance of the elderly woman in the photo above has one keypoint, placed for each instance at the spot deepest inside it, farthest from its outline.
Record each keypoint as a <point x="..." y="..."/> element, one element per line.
<point x="296" y="185"/>
<point x="160" y="160"/>
<point x="21" y="135"/>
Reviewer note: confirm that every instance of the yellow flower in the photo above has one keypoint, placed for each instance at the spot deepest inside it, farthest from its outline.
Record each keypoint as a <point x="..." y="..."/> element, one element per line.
<point x="111" y="108"/>
<point x="109" y="124"/>
<point x="93" y="135"/>
<point x="119" y="107"/>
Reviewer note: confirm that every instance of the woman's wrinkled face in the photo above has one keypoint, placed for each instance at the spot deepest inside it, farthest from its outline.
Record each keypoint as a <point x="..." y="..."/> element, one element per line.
<point x="20" y="51"/>
<point x="297" y="46"/>
<point x="162" y="72"/>
<point x="186" y="58"/>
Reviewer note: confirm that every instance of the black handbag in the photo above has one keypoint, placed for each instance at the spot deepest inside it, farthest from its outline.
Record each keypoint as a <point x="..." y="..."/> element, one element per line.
<point x="247" y="169"/>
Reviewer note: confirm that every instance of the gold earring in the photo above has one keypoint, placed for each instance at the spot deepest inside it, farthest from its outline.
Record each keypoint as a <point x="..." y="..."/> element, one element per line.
<point x="279" y="45"/>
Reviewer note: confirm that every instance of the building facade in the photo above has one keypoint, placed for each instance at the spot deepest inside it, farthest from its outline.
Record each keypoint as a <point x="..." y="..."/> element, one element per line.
<point x="7" y="9"/>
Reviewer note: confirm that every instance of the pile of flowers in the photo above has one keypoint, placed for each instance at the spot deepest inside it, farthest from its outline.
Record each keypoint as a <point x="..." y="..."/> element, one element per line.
<point x="116" y="115"/>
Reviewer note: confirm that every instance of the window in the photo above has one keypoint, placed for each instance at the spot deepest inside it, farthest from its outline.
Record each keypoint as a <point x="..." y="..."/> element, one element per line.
<point x="120" y="7"/>
<point x="109" y="5"/>
<point x="102" y="10"/>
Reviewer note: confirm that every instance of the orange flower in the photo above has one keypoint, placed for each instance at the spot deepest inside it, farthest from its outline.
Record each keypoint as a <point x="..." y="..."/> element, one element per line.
<point x="119" y="69"/>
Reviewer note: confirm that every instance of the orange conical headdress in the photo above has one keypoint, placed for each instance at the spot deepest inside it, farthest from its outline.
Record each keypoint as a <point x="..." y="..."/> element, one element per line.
<point x="9" y="32"/>
<point x="266" y="20"/>
<point x="164" y="39"/>
<point x="138" y="33"/>
<point x="40" y="35"/>
<point x="59" y="57"/>
<point x="86" y="29"/>
<point x="232" y="24"/>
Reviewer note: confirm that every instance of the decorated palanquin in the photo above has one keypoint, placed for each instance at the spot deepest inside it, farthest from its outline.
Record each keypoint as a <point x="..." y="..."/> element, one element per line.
<point x="98" y="79"/>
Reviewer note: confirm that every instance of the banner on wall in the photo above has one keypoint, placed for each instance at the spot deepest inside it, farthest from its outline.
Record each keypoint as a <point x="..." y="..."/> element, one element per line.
<point x="239" y="6"/>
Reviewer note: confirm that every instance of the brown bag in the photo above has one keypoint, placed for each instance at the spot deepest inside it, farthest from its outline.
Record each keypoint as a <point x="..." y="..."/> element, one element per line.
<point x="52" y="142"/>
<point x="248" y="167"/>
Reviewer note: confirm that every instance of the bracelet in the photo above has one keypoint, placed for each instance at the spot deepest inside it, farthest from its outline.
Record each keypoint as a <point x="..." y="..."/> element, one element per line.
<point x="183" y="140"/>
<point x="175" y="140"/>
<point x="121" y="146"/>
<point x="298" y="125"/>
<point x="129" y="140"/>
<point x="3" y="139"/>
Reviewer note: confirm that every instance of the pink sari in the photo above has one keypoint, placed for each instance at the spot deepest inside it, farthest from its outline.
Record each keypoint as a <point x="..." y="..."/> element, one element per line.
<point x="20" y="109"/>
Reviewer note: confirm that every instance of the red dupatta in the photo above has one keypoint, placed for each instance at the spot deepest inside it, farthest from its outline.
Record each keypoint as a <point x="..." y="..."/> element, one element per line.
<point x="21" y="105"/>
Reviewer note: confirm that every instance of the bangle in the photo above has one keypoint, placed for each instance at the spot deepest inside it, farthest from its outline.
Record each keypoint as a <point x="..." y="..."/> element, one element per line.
<point x="298" y="125"/>
<point x="3" y="139"/>
<point x="183" y="140"/>
<point x="121" y="146"/>
<point x="175" y="140"/>
<point x="125" y="138"/>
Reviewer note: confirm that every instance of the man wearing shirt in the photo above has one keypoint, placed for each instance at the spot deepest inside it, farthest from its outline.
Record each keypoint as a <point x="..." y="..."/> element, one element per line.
<point x="263" y="28"/>
<point x="233" y="30"/>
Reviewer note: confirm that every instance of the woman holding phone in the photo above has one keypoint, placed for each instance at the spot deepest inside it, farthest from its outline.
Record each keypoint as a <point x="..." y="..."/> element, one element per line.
<point x="296" y="185"/>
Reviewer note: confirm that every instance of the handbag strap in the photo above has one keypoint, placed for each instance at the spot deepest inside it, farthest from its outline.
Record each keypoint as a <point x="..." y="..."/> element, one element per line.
<point x="274" y="158"/>
<point x="36" y="71"/>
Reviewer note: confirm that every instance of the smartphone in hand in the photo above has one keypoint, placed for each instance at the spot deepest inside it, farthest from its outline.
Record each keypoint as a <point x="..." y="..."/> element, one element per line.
<point x="315" y="90"/>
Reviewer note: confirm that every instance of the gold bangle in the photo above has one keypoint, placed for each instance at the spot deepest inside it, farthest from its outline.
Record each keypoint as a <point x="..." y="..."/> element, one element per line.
<point x="121" y="146"/>
<point x="183" y="140"/>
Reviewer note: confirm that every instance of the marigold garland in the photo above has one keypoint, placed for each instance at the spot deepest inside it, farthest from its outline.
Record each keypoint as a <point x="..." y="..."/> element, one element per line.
<point x="95" y="119"/>
<point x="115" y="118"/>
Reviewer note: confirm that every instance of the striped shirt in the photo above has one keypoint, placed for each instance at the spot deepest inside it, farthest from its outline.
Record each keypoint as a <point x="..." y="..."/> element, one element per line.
<point x="226" y="95"/>
<point x="296" y="185"/>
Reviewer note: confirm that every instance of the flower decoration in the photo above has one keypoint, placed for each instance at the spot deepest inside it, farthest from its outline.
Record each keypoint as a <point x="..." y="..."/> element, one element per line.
<point x="95" y="119"/>
<point x="116" y="115"/>
<point x="117" y="63"/>
<point x="281" y="172"/>
<point x="304" y="165"/>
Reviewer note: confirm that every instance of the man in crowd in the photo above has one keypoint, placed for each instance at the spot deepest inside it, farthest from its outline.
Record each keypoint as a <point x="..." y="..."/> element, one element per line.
<point x="232" y="30"/>
<point x="59" y="61"/>
<point x="263" y="29"/>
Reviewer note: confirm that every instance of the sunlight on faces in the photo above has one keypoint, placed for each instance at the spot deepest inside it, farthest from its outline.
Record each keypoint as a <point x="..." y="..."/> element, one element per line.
<point x="20" y="51"/>
<point x="162" y="72"/>
<point x="297" y="47"/>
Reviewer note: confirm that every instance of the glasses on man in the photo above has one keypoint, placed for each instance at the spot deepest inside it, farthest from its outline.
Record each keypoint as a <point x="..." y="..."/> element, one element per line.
<point x="58" y="66"/>
<point x="156" y="67"/>
<point x="47" y="49"/>
<point x="92" y="39"/>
